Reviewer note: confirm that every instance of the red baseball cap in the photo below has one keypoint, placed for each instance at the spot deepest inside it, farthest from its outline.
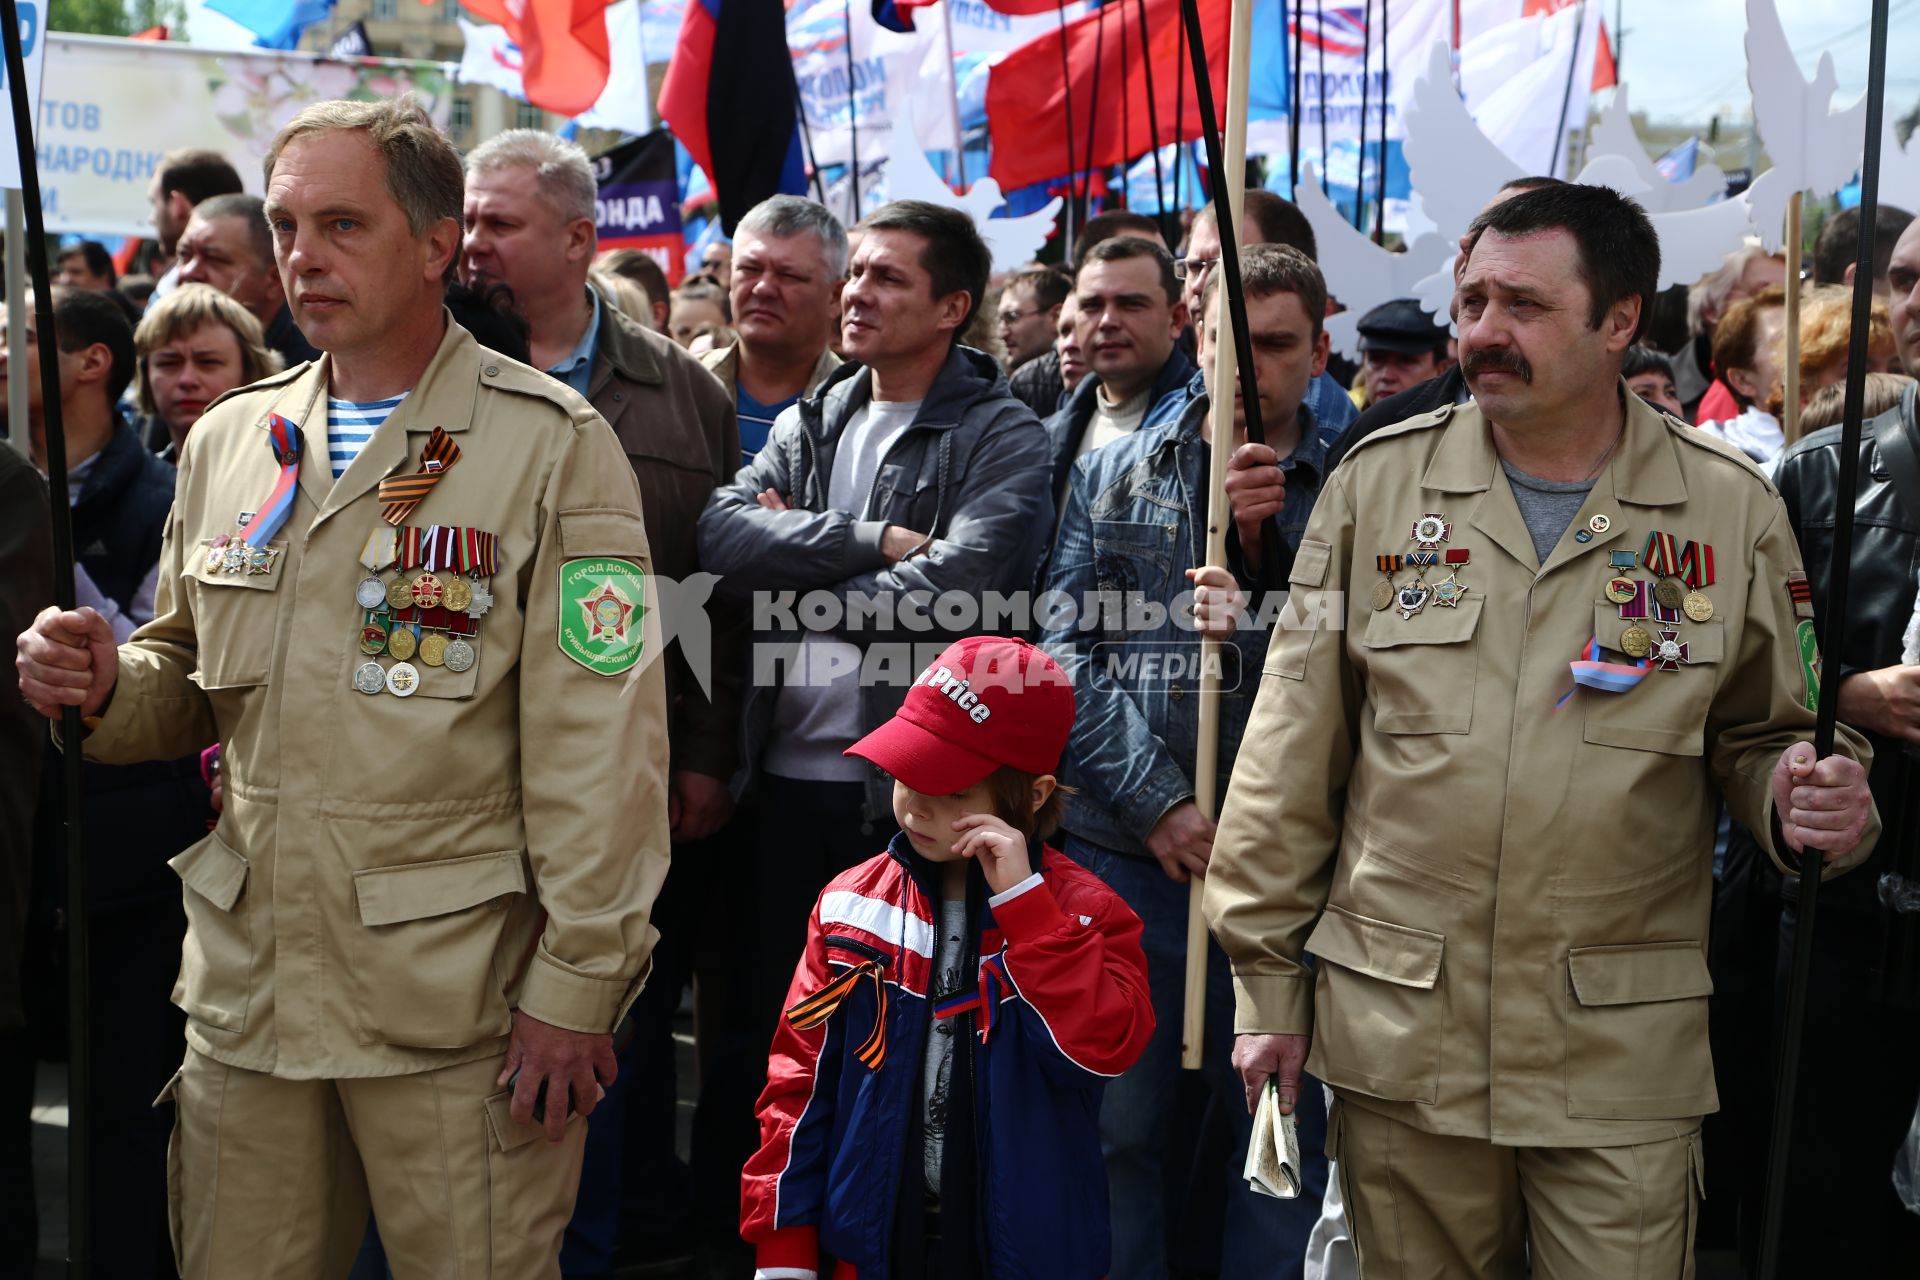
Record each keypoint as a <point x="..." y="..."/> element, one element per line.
<point x="986" y="702"/>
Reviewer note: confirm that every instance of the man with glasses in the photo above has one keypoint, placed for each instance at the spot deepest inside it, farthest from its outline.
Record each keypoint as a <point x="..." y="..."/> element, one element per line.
<point x="1267" y="219"/>
<point x="1029" y="328"/>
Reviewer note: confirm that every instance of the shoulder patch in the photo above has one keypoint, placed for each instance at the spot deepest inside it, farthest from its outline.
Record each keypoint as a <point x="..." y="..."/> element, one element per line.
<point x="603" y="605"/>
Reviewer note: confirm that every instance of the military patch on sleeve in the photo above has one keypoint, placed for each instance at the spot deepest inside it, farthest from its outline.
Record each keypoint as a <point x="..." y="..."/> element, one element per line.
<point x="1800" y="591"/>
<point x="602" y="605"/>
<point x="1809" y="663"/>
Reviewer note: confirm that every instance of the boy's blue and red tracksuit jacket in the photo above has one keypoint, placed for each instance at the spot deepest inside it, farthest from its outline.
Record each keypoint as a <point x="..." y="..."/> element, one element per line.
<point x="1058" y="1004"/>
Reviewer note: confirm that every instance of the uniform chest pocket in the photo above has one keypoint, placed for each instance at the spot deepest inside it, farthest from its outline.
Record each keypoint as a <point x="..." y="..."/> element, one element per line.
<point x="234" y="592"/>
<point x="1421" y="670"/>
<point x="1667" y="710"/>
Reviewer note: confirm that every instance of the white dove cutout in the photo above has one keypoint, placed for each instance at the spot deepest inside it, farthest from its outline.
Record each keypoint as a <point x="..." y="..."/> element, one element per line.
<point x="1814" y="147"/>
<point x="1613" y="136"/>
<point x="1013" y="241"/>
<point x="1362" y="275"/>
<point x="1454" y="166"/>
<point x="1457" y="169"/>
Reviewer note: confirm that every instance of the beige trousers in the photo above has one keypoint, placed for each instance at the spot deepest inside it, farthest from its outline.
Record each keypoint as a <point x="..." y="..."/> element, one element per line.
<point x="1423" y="1206"/>
<point x="271" y="1177"/>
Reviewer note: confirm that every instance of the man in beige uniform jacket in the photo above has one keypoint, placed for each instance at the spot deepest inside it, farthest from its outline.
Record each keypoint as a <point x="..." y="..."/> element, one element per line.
<point x="439" y="845"/>
<point x="1506" y="895"/>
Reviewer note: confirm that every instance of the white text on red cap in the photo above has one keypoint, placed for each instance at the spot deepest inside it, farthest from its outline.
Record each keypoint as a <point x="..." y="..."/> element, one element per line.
<point x="941" y="680"/>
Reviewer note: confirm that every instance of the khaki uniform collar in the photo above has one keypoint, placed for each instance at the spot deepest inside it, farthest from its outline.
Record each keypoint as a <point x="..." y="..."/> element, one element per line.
<point x="444" y="397"/>
<point x="1644" y="472"/>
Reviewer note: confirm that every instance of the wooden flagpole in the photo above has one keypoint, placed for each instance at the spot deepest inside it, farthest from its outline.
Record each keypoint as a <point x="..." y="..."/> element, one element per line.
<point x="1790" y="374"/>
<point x="1206" y="768"/>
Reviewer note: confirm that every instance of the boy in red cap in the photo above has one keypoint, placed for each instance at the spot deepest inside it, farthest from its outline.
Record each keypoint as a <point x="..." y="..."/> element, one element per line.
<point x="933" y="1092"/>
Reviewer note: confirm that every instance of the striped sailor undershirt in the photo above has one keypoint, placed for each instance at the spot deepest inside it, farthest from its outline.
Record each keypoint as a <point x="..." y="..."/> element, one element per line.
<point x="350" y="424"/>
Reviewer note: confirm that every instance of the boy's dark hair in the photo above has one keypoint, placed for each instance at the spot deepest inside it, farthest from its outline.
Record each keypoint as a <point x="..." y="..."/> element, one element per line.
<point x="955" y="255"/>
<point x="1839" y="243"/>
<point x="1617" y="248"/>
<point x="1267" y="269"/>
<point x="1012" y="793"/>
<point x="1644" y="359"/>
<point x="1122" y="248"/>
<point x="83" y="317"/>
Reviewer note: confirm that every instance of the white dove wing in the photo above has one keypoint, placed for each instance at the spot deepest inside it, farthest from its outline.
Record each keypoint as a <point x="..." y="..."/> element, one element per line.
<point x="1454" y="166"/>
<point x="1696" y="241"/>
<point x="1836" y="140"/>
<point x="1614" y="136"/>
<point x="1359" y="272"/>
<point x="1014" y="242"/>
<point x="1818" y="149"/>
<point x="911" y="176"/>
<point x="1781" y="95"/>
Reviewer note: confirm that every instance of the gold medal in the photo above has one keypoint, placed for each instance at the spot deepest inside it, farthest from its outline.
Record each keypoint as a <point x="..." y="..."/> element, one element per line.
<point x="1669" y="594"/>
<point x="399" y="593"/>
<point x="433" y="649"/>
<point x="373" y="638"/>
<point x="1382" y="594"/>
<point x="457" y="595"/>
<point x="427" y="591"/>
<point x="1635" y="642"/>
<point x="1620" y="590"/>
<point x="1698" y="607"/>
<point x="400" y="643"/>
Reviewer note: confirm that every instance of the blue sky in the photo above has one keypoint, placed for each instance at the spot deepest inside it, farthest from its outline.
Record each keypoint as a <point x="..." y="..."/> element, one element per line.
<point x="1682" y="59"/>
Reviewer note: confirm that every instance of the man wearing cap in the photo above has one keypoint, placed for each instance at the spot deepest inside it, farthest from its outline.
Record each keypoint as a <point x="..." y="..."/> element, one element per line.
<point x="1564" y="626"/>
<point x="1401" y="346"/>
<point x="405" y="587"/>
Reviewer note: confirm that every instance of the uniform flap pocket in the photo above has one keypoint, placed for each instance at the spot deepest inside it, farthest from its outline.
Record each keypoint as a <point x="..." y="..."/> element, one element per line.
<point x="1704" y="641"/>
<point x="231" y="563"/>
<point x="212" y="870"/>
<point x="508" y="1132"/>
<point x="611" y="533"/>
<point x="1390" y="952"/>
<point x="390" y="895"/>
<point x="1640" y="974"/>
<point x="1310" y="564"/>
<point x="1386" y="629"/>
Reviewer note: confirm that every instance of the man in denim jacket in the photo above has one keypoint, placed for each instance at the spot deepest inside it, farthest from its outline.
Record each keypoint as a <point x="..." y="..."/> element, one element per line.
<point x="1135" y="525"/>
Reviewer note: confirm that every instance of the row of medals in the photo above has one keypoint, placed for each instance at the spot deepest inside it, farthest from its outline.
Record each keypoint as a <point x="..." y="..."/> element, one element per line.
<point x="395" y="639"/>
<point x="1636" y="641"/>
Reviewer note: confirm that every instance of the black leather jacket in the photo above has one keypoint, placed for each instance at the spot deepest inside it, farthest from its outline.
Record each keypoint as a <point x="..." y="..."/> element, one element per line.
<point x="1880" y="603"/>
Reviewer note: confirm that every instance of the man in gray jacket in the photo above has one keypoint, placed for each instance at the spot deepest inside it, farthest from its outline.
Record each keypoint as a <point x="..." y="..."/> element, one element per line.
<point x="865" y="535"/>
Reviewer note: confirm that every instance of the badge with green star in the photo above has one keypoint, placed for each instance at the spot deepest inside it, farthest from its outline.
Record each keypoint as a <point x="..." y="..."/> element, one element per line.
<point x="602" y="606"/>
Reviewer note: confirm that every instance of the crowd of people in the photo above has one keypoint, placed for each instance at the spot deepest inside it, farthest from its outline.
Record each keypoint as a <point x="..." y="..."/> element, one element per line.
<point x="487" y="652"/>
